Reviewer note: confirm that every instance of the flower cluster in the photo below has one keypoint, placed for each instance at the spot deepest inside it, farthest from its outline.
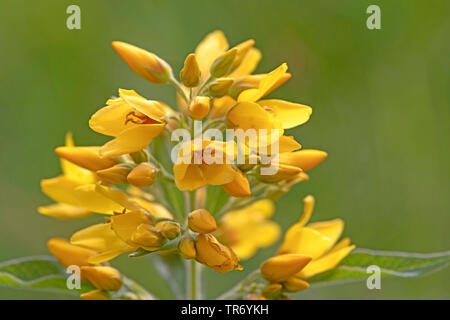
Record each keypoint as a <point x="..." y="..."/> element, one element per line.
<point x="124" y="179"/>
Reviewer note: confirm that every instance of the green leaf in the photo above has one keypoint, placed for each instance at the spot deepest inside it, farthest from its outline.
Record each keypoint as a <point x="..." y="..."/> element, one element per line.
<point x="46" y="274"/>
<point x="42" y="272"/>
<point x="398" y="264"/>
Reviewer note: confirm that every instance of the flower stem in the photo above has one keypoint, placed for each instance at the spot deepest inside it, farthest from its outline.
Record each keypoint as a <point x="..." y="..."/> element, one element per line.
<point x="193" y="288"/>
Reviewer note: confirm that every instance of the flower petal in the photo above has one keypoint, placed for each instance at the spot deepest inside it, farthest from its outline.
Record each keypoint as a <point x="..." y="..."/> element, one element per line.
<point x="64" y="211"/>
<point x="131" y="140"/>
<point x="288" y="113"/>
<point x="213" y="45"/>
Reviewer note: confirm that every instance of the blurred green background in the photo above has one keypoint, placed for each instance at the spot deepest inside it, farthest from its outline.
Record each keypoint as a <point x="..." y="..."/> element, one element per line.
<point x="380" y="101"/>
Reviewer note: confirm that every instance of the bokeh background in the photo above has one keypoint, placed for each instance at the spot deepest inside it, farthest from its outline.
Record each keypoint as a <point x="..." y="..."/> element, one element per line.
<point x="380" y="101"/>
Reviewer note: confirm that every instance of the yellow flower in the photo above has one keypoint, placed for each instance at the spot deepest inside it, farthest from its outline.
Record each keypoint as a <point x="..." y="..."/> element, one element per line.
<point x="201" y="221"/>
<point x="61" y="189"/>
<point x="215" y="255"/>
<point x="144" y="63"/>
<point x="131" y="227"/>
<point x="133" y="120"/>
<point x="252" y="113"/>
<point x="249" y="229"/>
<point x="102" y="277"/>
<point x="192" y="171"/>
<point x="316" y="240"/>
<point x="68" y="254"/>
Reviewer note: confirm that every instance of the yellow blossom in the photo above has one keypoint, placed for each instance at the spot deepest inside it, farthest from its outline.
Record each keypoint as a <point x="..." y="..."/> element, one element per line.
<point x="192" y="171"/>
<point x="133" y="120"/>
<point x="248" y="229"/>
<point x="316" y="240"/>
<point x="239" y="187"/>
<point x="61" y="189"/>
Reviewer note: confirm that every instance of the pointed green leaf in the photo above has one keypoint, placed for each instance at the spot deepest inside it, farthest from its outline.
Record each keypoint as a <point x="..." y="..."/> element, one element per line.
<point x="399" y="264"/>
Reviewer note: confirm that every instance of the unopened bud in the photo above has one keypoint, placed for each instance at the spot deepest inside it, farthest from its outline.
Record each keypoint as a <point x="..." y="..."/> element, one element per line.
<point x="272" y="289"/>
<point x="190" y="74"/>
<point x="139" y="156"/>
<point x="221" y="66"/>
<point x="115" y="175"/>
<point x="284" y="172"/>
<point x="170" y="229"/>
<point x="186" y="248"/>
<point x="144" y="63"/>
<point x="239" y="187"/>
<point x="85" y="157"/>
<point x="201" y="221"/>
<point x="199" y="107"/>
<point x="220" y="87"/>
<point x="103" y="277"/>
<point x="143" y="175"/>
<point x="95" y="295"/>
<point x="282" y="267"/>
<point x="146" y="235"/>
<point x="294" y="284"/>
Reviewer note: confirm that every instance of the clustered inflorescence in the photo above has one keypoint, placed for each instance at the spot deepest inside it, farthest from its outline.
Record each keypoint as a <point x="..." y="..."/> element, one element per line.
<point x="129" y="182"/>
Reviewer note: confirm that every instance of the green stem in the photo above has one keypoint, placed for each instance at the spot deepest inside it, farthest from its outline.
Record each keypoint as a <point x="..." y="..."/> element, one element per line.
<point x="193" y="295"/>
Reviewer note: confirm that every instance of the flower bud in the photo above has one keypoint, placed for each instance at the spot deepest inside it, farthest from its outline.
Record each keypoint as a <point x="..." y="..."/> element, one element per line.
<point x="284" y="172"/>
<point x="85" y="157"/>
<point x="223" y="63"/>
<point x="139" y="156"/>
<point x="143" y="175"/>
<point x="220" y="87"/>
<point x="280" y="268"/>
<point x="95" y="295"/>
<point x="215" y="255"/>
<point x="186" y="248"/>
<point x="239" y="187"/>
<point x="170" y="229"/>
<point x="199" y="107"/>
<point x="144" y="63"/>
<point x="115" y="175"/>
<point x="190" y="74"/>
<point x="201" y="221"/>
<point x="147" y="236"/>
<point x="272" y="290"/>
<point x="294" y="284"/>
<point x="304" y="159"/>
<point x="103" y="277"/>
